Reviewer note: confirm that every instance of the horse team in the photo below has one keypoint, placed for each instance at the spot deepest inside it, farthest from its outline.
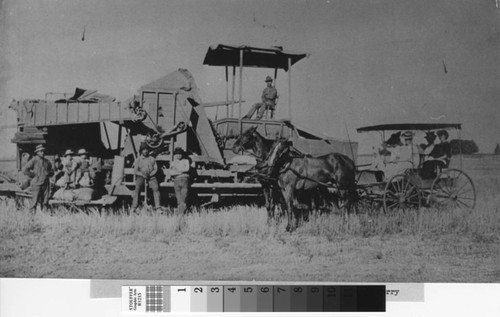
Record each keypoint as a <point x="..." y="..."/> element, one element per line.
<point x="291" y="179"/>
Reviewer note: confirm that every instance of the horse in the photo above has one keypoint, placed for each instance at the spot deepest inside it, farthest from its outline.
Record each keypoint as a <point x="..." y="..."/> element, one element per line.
<point x="252" y="142"/>
<point x="298" y="173"/>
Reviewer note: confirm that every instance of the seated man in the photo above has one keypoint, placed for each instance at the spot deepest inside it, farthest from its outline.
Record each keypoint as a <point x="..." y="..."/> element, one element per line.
<point x="69" y="166"/>
<point x="269" y="97"/>
<point x="83" y="177"/>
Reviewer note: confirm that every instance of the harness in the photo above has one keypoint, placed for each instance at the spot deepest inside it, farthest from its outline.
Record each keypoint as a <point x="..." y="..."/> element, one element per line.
<point x="287" y="167"/>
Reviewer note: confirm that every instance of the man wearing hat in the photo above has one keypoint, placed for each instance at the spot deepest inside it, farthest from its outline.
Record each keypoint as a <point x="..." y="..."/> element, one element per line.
<point x="145" y="169"/>
<point x="179" y="170"/>
<point x="269" y="96"/>
<point x="68" y="168"/>
<point x="40" y="170"/>
<point x="83" y="177"/>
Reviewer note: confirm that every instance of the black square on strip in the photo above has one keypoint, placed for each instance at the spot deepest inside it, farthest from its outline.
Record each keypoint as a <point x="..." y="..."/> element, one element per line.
<point x="371" y="298"/>
<point x="154" y="298"/>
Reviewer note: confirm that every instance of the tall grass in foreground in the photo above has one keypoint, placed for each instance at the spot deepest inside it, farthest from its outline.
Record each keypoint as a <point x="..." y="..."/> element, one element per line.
<point x="482" y="224"/>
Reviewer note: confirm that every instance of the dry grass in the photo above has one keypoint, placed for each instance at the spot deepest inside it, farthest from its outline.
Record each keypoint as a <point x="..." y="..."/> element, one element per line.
<point x="238" y="243"/>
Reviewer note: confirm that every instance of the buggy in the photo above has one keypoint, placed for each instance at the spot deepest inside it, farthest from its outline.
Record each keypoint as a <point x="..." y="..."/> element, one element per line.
<point x="405" y="184"/>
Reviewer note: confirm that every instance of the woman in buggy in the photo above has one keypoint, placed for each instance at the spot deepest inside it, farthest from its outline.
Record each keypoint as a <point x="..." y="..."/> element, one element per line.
<point x="436" y="156"/>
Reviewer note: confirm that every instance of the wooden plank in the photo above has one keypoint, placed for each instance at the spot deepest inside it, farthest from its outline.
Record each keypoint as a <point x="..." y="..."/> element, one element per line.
<point x="51" y="113"/>
<point x="103" y="110"/>
<point x="94" y="112"/>
<point x="39" y="112"/>
<point x="62" y="112"/>
<point x="83" y="112"/>
<point x="73" y="112"/>
<point x="218" y="185"/>
<point x="215" y="173"/>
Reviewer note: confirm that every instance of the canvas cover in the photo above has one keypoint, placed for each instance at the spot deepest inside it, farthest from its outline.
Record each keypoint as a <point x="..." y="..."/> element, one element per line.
<point x="87" y="96"/>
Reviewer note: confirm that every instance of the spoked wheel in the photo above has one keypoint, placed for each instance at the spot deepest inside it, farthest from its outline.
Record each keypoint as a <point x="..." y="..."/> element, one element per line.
<point x="453" y="189"/>
<point x="154" y="141"/>
<point x="401" y="193"/>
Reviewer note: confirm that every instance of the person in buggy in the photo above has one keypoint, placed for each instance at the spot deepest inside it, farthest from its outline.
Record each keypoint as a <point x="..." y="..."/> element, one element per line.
<point x="397" y="154"/>
<point x="436" y="155"/>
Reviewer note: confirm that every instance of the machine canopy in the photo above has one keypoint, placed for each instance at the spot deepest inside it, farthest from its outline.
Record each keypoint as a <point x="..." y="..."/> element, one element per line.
<point x="272" y="57"/>
<point x="410" y="126"/>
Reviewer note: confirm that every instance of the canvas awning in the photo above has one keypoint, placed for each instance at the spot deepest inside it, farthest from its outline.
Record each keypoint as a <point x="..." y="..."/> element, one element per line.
<point x="272" y="57"/>
<point x="87" y="96"/>
<point x="410" y="126"/>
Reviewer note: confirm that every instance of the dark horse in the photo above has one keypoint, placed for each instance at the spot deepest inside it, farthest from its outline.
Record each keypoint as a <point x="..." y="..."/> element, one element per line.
<point x="260" y="147"/>
<point x="298" y="173"/>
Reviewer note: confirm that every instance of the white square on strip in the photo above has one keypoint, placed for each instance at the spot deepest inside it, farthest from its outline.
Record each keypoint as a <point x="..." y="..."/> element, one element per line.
<point x="180" y="299"/>
<point x="134" y="299"/>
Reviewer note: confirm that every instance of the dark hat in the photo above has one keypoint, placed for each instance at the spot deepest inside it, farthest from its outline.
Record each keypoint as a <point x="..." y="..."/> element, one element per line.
<point x="430" y="136"/>
<point x="39" y="148"/>
<point x="268" y="79"/>
<point x="178" y="150"/>
<point x="442" y="132"/>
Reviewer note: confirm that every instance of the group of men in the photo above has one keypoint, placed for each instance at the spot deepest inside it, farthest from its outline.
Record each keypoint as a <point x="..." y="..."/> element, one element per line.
<point x="68" y="172"/>
<point x="73" y="172"/>
<point x="146" y="170"/>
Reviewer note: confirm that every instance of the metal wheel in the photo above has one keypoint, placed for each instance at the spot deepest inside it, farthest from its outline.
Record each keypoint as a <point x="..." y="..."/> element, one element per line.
<point x="401" y="193"/>
<point x="139" y="114"/>
<point x="181" y="126"/>
<point x="453" y="188"/>
<point x="154" y="141"/>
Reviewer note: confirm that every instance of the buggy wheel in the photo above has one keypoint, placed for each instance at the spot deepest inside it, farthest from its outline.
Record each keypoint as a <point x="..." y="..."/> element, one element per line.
<point x="453" y="189"/>
<point x="401" y="193"/>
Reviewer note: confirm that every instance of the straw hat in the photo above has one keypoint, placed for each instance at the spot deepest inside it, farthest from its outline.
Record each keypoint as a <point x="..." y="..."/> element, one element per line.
<point x="68" y="152"/>
<point x="82" y="152"/>
<point x="39" y="148"/>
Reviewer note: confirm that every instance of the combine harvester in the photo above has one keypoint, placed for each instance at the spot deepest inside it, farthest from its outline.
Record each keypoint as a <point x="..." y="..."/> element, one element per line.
<point x="166" y="113"/>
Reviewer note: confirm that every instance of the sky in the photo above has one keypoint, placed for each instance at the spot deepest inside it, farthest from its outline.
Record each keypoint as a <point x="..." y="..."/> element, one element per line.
<point x="371" y="61"/>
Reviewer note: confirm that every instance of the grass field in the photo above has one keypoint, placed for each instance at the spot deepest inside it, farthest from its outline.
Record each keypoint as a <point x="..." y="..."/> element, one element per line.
<point x="237" y="243"/>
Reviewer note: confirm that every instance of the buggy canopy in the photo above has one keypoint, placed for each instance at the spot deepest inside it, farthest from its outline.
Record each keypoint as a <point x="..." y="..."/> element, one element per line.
<point x="272" y="57"/>
<point x="411" y="126"/>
